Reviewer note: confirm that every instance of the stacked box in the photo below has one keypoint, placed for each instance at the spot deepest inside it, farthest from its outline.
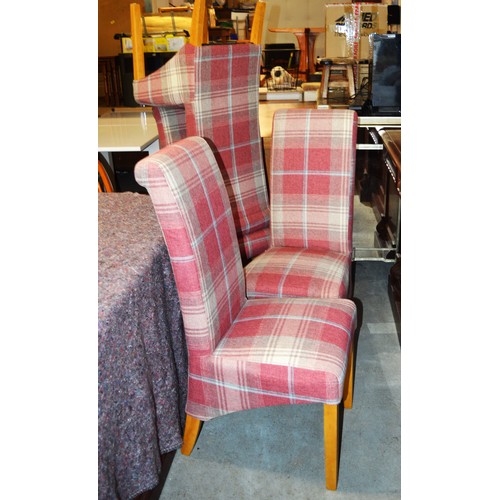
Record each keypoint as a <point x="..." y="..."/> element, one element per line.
<point x="348" y="27"/>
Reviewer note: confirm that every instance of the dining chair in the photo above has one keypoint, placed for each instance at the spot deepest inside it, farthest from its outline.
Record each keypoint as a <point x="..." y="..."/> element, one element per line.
<point x="242" y="353"/>
<point x="103" y="181"/>
<point x="312" y="172"/>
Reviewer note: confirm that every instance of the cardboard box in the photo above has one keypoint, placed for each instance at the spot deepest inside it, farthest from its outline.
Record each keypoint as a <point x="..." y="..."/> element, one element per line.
<point x="348" y="27"/>
<point x="167" y="43"/>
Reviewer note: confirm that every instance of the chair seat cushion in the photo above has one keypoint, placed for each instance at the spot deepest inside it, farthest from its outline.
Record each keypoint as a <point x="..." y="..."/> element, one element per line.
<point x="298" y="272"/>
<point x="278" y="351"/>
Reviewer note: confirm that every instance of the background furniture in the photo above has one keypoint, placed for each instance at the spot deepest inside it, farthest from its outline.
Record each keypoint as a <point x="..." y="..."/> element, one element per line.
<point x="374" y="176"/>
<point x="391" y="139"/>
<point x="142" y="353"/>
<point x="124" y="137"/>
<point x="112" y="84"/>
<point x="198" y="30"/>
<point x="337" y="80"/>
<point x="243" y="353"/>
<point x="390" y="187"/>
<point x="313" y="156"/>
<point x="306" y="38"/>
<point x="127" y="131"/>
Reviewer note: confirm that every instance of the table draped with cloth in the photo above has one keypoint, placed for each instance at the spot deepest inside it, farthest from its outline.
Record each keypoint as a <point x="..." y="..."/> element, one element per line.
<point x="142" y="355"/>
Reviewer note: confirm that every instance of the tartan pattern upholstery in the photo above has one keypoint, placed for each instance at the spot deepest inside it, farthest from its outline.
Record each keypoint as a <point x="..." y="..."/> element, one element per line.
<point x="217" y="89"/>
<point x="298" y="272"/>
<point x="313" y="158"/>
<point x="170" y="85"/>
<point x="176" y="119"/>
<point x="242" y="353"/>
<point x="195" y="217"/>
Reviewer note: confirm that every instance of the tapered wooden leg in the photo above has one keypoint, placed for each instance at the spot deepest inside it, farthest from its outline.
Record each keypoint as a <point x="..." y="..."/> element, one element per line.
<point x="349" y="380"/>
<point x="331" y="436"/>
<point x="191" y="432"/>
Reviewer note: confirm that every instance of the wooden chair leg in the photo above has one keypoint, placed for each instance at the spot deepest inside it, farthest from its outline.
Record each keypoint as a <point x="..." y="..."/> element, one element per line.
<point x="349" y="380"/>
<point x="191" y="432"/>
<point x="138" y="63"/>
<point x="258" y="23"/>
<point x="331" y="437"/>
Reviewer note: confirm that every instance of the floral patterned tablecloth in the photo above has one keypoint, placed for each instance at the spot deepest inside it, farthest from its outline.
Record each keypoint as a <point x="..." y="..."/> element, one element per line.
<point x="142" y="355"/>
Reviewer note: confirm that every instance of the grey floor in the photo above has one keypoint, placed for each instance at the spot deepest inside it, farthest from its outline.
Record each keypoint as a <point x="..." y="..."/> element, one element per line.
<point x="277" y="452"/>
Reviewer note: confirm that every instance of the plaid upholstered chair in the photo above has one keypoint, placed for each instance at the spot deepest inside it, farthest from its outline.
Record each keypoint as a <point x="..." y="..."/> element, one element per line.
<point x="313" y="155"/>
<point x="243" y="353"/>
<point x="212" y="91"/>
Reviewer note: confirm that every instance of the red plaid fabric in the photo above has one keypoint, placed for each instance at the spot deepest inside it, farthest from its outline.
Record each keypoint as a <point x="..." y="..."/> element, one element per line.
<point x="313" y="158"/>
<point x="217" y="89"/>
<point x="278" y="351"/>
<point x="196" y="220"/>
<point x="243" y="353"/>
<point x="176" y="119"/>
<point x="171" y="85"/>
<point x="298" y="272"/>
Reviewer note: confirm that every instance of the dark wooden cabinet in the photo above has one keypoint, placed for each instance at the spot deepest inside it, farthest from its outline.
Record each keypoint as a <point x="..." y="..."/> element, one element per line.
<point x="391" y="139"/>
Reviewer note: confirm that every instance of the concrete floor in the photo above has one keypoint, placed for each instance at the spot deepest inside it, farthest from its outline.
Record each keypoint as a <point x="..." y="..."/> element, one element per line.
<point x="277" y="452"/>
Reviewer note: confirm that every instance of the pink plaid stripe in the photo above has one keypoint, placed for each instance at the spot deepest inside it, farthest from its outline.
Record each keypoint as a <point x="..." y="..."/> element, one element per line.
<point x="298" y="272"/>
<point x="219" y="87"/>
<point x="313" y="159"/>
<point x="242" y="353"/>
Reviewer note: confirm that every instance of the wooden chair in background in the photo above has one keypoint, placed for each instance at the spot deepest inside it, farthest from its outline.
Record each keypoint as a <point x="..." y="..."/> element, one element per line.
<point x="104" y="184"/>
<point x="198" y="34"/>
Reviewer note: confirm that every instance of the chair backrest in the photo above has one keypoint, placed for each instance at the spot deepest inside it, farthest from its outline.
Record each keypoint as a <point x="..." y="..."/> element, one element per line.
<point x="224" y="107"/>
<point x="218" y="88"/>
<point x="192" y="206"/>
<point x="313" y="160"/>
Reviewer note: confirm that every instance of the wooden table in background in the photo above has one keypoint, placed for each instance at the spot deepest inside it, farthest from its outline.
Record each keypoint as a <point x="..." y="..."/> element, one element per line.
<point x="306" y="38"/>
